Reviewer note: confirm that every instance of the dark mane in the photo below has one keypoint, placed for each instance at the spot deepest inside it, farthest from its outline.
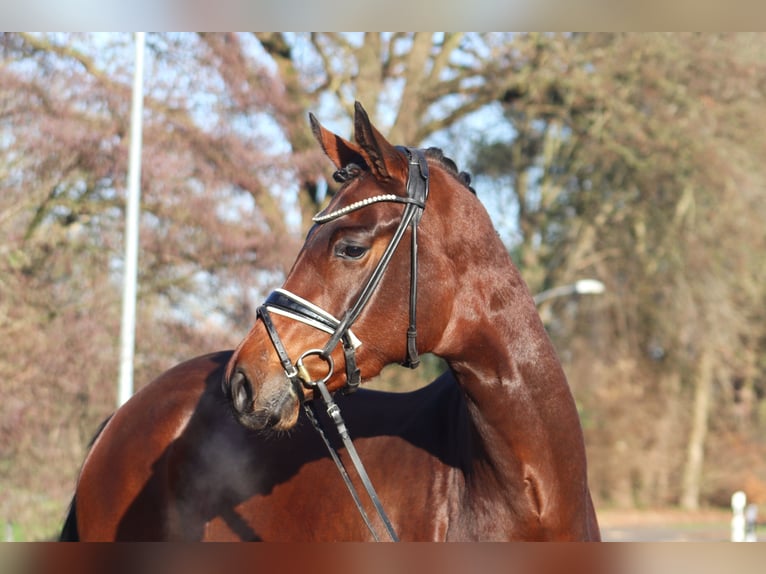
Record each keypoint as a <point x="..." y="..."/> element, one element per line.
<point x="448" y="164"/>
<point x="352" y="170"/>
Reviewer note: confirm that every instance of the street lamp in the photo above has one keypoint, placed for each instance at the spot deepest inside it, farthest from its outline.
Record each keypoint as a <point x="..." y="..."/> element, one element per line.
<point x="581" y="287"/>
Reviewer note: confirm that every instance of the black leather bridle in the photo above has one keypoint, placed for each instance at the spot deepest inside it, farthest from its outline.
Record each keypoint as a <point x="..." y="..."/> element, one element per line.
<point x="284" y="303"/>
<point x="288" y="304"/>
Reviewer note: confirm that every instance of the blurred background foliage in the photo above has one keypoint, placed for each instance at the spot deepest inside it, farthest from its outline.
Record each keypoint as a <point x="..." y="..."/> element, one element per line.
<point x="634" y="159"/>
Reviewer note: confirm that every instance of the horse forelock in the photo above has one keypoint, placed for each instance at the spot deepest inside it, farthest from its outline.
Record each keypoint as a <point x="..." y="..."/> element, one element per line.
<point x="349" y="172"/>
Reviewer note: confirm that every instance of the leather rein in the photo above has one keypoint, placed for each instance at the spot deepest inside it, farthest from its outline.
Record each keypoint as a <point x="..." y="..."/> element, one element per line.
<point x="287" y="304"/>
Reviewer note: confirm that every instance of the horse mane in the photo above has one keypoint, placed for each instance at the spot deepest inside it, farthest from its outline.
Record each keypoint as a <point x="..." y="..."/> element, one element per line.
<point x="449" y="165"/>
<point x="353" y="170"/>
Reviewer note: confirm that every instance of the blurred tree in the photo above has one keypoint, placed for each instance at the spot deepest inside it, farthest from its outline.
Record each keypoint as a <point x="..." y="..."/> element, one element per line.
<point x="630" y="158"/>
<point x="213" y="233"/>
<point x="230" y="173"/>
<point x="413" y="84"/>
<point x="635" y="160"/>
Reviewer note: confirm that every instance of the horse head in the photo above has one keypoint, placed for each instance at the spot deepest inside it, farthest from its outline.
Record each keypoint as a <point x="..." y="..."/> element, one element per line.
<point x="374" y="283"/>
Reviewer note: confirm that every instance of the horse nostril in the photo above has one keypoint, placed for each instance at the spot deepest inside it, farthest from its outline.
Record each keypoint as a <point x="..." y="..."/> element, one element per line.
<point x="241" y="392"/>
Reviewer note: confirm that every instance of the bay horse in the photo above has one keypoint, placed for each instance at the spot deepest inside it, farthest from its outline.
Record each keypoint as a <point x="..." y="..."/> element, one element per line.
<point x="218" y="448"/>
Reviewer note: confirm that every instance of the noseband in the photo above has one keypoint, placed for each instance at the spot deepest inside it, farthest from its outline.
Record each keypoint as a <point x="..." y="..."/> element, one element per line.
<point x="287" y="304"/>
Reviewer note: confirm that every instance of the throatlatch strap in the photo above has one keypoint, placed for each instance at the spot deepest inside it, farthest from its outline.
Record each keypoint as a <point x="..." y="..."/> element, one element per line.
<point x="417" y="189"/>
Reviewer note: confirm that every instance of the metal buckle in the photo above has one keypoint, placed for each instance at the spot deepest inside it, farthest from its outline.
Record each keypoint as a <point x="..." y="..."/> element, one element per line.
<point x="303" y="372"/>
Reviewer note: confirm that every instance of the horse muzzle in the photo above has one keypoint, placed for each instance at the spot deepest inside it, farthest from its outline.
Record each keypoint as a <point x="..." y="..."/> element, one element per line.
<point x="275" y="405"/>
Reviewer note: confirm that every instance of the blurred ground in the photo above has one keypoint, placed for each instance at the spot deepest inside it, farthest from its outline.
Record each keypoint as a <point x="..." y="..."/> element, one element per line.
<point x="671" y="525"/>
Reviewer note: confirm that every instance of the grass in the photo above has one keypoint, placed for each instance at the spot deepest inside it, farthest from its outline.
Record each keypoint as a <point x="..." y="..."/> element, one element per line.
<point x="30" y="516"/>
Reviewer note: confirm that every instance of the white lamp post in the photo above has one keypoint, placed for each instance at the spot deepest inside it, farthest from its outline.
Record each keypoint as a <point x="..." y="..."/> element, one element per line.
<point x="128" y="328"/>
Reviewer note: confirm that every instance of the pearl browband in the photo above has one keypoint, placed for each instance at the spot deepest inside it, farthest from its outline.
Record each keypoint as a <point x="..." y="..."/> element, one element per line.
<point x="390" y="197"/>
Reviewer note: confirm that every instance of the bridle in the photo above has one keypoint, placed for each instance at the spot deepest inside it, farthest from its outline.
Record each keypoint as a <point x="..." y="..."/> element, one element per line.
<point x="285" y="303"/>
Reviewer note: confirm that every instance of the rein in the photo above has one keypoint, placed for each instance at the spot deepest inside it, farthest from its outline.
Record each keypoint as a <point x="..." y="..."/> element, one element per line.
<point x="287" y="304"/>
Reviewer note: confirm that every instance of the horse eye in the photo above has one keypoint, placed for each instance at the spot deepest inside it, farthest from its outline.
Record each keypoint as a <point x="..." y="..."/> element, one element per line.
<point x="350" y="251"/>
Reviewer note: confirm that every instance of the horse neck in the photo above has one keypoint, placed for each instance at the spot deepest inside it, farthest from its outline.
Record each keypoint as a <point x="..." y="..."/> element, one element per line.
<point x="504" y="360"/>
<point x="525" y="425"/>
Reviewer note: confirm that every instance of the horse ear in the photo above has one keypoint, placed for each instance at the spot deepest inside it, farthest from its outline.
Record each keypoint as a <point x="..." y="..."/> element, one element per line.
<point x="340" y="151"/>
<point x="384" y="160"/>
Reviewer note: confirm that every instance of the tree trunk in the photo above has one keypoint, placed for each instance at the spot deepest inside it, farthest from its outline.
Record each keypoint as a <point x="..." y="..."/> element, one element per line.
<point x="657" y="485"/>
<point x="411" y="102"/>
<point x="695" y="452"/>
